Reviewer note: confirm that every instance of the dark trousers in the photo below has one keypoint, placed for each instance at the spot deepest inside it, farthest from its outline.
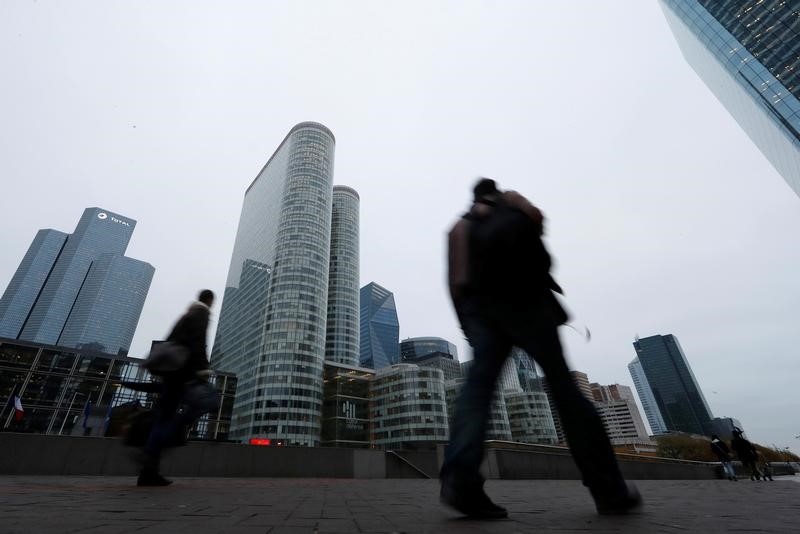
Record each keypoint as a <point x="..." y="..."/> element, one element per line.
<point x="492" y="336"/>
<point x="167" y="423"/>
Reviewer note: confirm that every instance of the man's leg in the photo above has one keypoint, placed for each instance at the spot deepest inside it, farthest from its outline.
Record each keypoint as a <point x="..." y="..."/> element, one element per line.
<point x="462" y="484"/>
<point x="163" y="431"/>
<point x="583" y="427"/>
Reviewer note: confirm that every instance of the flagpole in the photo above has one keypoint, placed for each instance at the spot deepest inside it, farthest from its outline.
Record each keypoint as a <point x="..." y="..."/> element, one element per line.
<point x="67" y="414"/>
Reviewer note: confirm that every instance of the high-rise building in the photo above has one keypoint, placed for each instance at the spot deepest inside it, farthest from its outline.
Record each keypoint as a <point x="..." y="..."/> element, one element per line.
<point x="380" y="329"/>
<point x="432" y="352"/>
<point x="748" y="53"/>
<point x="408" y="407"/>
<point x="646" y="397"/>
<point x="342" y="338"/>
<point x="78" y="290"/>
<point x="346" y="410"/>
<point x="675" y="389"/>
<point x="621" y="418"/>
<point x="272" y="323"/>
<point x="414" y="348"/>
<point x="529" y="417"/>
<point x="498" y="426"/>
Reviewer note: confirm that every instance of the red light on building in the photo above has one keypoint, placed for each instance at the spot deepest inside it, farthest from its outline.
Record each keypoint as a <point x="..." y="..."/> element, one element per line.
<point x="260" y="441"/>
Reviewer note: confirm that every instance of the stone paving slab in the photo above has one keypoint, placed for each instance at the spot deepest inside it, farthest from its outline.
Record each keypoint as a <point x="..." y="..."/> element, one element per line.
<point x="328" y="506"/>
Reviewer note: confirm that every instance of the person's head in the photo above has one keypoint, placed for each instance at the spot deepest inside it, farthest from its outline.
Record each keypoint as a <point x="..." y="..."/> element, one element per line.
<point x="485" y="190"/>
<point x="206" y="296"/>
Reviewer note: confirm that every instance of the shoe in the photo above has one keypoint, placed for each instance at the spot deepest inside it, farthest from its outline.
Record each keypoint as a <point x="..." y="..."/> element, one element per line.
<point x="152" y="480"/>
<point x="475" y="503"/>
<point x="618" y="504"/>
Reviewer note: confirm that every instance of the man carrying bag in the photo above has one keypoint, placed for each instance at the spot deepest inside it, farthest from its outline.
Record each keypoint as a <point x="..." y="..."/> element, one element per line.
<point x="183" y="365"/>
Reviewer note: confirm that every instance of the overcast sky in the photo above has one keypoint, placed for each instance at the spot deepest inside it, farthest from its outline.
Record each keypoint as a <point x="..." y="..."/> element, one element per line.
<point x="663" y="217"/>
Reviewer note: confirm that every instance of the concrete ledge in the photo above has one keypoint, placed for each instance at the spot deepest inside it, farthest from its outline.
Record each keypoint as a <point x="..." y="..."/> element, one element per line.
<point x="36" y="454"/>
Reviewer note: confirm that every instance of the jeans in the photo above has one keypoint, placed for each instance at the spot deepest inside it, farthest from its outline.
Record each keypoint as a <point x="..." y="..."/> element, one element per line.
<point x="728" y="469"/>
<point x="492" y="335"/>
<point x="167" y="423"/>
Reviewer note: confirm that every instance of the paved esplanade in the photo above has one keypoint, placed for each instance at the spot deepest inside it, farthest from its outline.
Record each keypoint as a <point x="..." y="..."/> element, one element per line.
<point x="323" y="506"/>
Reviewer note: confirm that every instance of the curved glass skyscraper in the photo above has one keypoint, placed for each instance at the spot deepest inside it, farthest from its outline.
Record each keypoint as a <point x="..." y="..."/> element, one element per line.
<point x="342" y="340"/>
<point x="271" y="329"/>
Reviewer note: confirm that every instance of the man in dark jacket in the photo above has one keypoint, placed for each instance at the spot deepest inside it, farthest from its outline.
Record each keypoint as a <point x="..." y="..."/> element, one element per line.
<point x="189" y="332"/>
<point x="722" y="452"/>
<point x="747" y="454"/>
<point x="502" y="291"/>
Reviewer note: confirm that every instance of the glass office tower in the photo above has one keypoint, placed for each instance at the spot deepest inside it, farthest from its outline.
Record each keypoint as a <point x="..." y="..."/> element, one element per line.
<point x="646" y="397"/>
<point x="677" y="394"/>
<point x="415" y="348"/>
<point x="341" y="344"/>
<point x="78" y="290"/>
<point x="271" y="329"/>
<point x="380" y="329"/>
<point x="748" y="53"/>
<point x="28" y="281"/>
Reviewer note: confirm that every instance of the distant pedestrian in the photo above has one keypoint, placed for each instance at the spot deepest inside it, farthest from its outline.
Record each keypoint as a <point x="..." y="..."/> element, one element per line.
<point x="747" y="454"/>
<point x="766" y="468"/>
<point x="500" y="284"/>
<point x="189" y="333"/>
<point x="723" y="453"/>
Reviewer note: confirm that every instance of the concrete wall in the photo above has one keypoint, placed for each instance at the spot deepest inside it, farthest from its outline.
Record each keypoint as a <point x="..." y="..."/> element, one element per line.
<point x="35" y="454"/>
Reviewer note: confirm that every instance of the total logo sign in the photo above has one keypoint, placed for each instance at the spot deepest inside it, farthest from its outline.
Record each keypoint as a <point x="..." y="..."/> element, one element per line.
<point x="103" y="216"/>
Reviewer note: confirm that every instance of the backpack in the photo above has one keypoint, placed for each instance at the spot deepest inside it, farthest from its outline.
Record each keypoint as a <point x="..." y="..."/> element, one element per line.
<point x="508" y="261"/>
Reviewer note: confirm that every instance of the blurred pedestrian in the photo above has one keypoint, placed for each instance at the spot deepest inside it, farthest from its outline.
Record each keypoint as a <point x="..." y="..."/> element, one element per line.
<point x="723" y="453"/>
<point x="746" y="453"/>
<point x="766" y="469"/>
<point x="500" y="284"/>
<point x="169" y="427"/>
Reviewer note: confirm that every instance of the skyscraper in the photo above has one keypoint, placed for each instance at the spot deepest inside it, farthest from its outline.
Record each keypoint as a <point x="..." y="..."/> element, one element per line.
<point x="616" y="407"/>
<point x="646" y="397"/>
<point x="380" y="329"/>
<point x="78" y="290"/>
<point x="272" y="323"/>
<point x="342" y="339"/>
<point x="677" y="394"/>
<point x="748" y="53"/>
<point x="414" y="348"/>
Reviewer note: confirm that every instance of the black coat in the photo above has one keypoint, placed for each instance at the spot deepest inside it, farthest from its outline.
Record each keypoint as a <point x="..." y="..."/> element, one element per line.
<point x="721" y="450"/>
<point x="190" y="331"/>
<point x="744" y="449"/>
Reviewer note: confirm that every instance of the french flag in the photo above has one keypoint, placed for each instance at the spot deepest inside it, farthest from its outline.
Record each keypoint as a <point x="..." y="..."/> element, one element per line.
<point x="19" y="411"/>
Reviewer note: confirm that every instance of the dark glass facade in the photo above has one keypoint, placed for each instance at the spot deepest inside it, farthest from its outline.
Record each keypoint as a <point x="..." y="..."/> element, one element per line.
<point x="748" y="52"/>
<point x="58" y="386"/>
<point x="78" y="290"/>
<point x="28" y="281"/>
<point x="345" y="410"/>
<point x="414" y="348"/>
<point x="107" y="309"/>
<point x="380" y="329"/>
<point x="272" y="323"/>
<point x="677" y="394"/>
<point x="768" y="29"/>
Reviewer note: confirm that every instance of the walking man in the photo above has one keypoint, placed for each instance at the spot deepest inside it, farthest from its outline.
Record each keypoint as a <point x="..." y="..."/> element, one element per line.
<point x="500" y="284"/>
<point x="747" y="454"/>
<point x="190" y="333"/>
<point x="722" y="452"/>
